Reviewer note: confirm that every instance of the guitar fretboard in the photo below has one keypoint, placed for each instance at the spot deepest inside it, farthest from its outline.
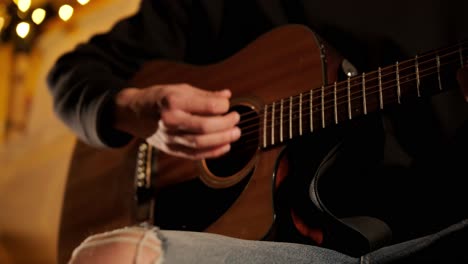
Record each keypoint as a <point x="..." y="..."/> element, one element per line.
<point x="368" y="92"/>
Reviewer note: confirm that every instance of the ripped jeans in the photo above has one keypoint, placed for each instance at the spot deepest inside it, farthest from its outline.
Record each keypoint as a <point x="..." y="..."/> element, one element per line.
<point x="150" y="245"/>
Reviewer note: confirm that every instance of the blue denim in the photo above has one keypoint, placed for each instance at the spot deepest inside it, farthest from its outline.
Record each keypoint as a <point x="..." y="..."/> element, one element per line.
<point x="446" y="246"/>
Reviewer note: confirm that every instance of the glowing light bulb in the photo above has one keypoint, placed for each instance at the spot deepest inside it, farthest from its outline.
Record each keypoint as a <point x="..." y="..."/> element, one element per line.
<point x="24" y="5"/>
<point x="2" y="23"/>
<point x="22" y="29"/>
<point x="83" y="2"/>
<point x="38" y="16"/>
<point x="65" y="12"/>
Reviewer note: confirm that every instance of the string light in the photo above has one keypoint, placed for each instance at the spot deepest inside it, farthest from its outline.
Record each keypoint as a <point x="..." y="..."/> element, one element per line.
<point x="3" y="17"/>
<point x="22" y="29"/>
<point x="23" y="16"/>
<point x="24" y="5"/>
<point x="2" y="22"/>
<point x="38" y="15"/>
<point x="65" y="12"/>
<point x="83" y="2"/>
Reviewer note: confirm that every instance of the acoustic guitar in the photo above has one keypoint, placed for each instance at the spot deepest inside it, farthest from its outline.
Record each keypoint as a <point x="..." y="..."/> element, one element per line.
<point x="285" y="85"/>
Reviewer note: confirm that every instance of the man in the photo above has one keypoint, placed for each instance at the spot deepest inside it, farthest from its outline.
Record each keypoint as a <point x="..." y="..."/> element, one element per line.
<point x="92" y="95"/>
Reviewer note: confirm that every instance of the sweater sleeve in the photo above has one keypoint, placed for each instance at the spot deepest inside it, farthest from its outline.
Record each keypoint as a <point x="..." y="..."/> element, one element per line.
<point x="84" y="81"/>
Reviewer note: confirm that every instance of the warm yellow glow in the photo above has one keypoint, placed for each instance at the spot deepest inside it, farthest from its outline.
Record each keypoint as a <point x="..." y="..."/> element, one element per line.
<point x="2" y="22"/>
<point x="22" y="29"/>
<point x="38" y="16"/>
<point x="65" y="12"/>
<point x="83" y="2"/>
<point x="24" y="5"/>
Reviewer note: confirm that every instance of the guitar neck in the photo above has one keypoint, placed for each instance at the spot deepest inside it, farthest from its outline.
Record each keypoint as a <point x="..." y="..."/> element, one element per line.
<point x="423" y="75"/>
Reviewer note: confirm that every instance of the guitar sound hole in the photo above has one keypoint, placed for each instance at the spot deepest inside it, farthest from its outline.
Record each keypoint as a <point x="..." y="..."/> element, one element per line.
<point x="243" y="150"/>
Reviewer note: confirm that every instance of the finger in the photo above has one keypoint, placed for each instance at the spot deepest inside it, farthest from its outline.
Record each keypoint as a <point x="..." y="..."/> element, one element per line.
<point x="196" y="154"/>
<point x="226" y="93"/>
<point x="188" y="123"/>
<point x="206" y="140"/>
<point x="160" y="141"/>
<point x="197" y="101"/>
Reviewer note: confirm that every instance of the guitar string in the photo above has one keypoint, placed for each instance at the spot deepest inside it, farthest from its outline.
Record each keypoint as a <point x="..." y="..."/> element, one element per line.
<point x="357" y="85"/>
<point x="357" y="79"/>
<point x="255" y="140"/>
<point x="341" y="102"/>
<point x="371" y="92"/>
<point x="331" y="103"/>
<point x="256" y="137"/>
<point x="330" y="88"/>
<point x="423" y="73"/>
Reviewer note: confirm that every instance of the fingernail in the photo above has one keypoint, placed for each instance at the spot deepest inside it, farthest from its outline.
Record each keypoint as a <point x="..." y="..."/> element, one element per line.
<point x="236" y="133"/>
<point x="227" y="148"/>
<point x="226" y="92"/>
<point x="237" y="117"/>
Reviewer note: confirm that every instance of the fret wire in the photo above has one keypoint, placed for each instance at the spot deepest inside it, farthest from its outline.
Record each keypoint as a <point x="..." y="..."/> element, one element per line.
<point x="398" y="82"/>
<point x="265" y="112"/>
<point x="290" y="116"/>
<point x="323" y="106"/>
<point x="273" y="124"/>
<point x="349" y="99"/>
<point x="438" y="72"/>
<point x="364" y="93"/>
<point x="281" y="121"/>
<point x="335" y="103"/>
<point x="300" y="114"/>
<point x="418" y="81"/>
<point x="380" y="88"/>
